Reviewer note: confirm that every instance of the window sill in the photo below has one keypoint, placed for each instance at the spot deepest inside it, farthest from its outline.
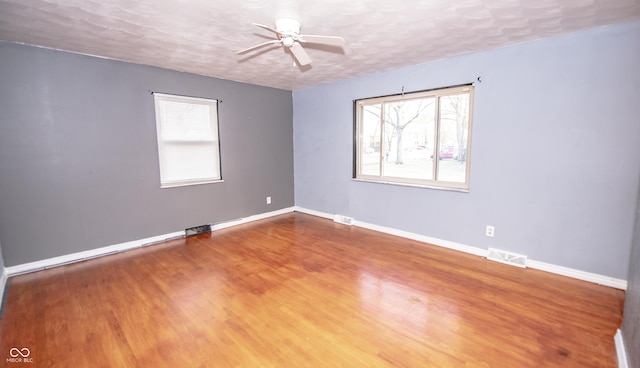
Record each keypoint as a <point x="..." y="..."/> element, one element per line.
<point x="413" y="185"/>
<point x="184" y="184"/>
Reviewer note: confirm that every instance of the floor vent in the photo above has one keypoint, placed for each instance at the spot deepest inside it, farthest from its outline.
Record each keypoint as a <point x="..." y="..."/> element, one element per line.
<point x="197" y="230"/>
<point x="343" y="219"/>
<point x="505" y="257"/>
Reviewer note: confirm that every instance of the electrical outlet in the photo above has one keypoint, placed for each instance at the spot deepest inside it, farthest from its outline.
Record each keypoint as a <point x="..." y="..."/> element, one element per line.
<point x="269" y="200"/>
<point x="490" y="230"/>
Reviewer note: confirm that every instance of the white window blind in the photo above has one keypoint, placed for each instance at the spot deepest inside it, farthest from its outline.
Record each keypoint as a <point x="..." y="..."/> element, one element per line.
<point x="188" y="144"/>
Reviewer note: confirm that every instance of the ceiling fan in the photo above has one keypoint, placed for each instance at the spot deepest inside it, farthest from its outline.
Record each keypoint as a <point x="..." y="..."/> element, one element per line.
<point x="287" y="34"/>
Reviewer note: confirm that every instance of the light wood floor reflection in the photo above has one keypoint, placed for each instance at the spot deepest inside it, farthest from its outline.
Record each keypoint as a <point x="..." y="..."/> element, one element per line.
<point x="301" y="291"/>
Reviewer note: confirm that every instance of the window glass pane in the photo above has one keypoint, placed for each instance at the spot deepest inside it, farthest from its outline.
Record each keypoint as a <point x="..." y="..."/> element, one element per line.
<point x="370" y="140"/>
<point x="409" y="132"/>
<point x="454" y="131"/>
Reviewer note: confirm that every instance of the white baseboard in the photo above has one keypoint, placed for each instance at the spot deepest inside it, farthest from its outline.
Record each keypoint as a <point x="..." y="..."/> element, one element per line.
<point x="88" y="254"/>
<point x="80" y="256"/>
<point x="3" y="282"/>
<point x="313" y="212"/>
<point x="620" y="350"/>
<point x="116" y="248"/>
<point x="559" y="270"/>
<point x="252" y="218"/>
<point x="423" y="238"/>
<point x="578" y="274"/>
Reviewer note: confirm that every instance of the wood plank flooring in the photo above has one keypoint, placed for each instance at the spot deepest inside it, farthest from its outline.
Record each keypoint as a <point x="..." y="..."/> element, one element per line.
<point x="301" y="291"/>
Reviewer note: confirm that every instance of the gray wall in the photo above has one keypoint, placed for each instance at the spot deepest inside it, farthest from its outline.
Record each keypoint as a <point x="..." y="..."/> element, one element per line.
<point x="631" y="316"/>
<point x="78" y="153"/>
<point x="555" y="154"/>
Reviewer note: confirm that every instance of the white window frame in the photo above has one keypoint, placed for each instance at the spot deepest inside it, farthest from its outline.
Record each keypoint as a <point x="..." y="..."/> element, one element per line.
<point x="166" y="146"/>
<point x="381" y="178"/>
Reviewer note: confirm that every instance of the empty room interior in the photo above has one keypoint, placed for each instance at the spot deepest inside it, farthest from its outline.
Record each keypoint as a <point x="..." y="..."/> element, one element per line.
<point x="265" y="183"/>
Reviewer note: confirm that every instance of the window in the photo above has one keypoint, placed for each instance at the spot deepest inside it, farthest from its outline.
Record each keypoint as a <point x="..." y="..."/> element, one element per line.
<point x="188" y="146"/>
<point x="420" y="138"/>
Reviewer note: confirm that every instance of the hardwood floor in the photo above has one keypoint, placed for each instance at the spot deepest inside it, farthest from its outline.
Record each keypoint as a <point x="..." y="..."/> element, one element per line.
<point x="301" y="291"/>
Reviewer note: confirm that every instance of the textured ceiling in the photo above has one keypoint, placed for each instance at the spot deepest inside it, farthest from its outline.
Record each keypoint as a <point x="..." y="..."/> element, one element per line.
<point x="202" y="36"/>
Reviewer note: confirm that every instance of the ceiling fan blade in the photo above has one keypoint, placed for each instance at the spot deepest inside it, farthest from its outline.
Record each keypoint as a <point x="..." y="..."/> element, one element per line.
<point x="272" y="42"/>
<point x="327" y="40"/>
<point x="268" y="29"/>
<point x="301" y="56"/>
